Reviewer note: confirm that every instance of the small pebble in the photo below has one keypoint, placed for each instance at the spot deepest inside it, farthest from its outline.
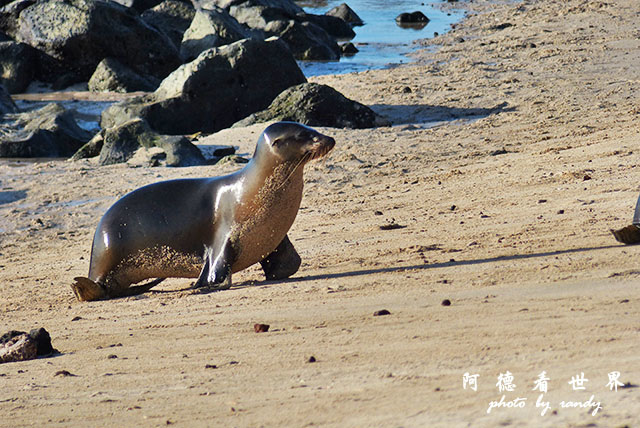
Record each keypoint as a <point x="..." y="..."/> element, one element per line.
<point x="311" y="359"/>
<point x="261" y="328"/>
<point x="381" y="312"/>
<point x="446" y="302"/>
<point x="64" y="373"/>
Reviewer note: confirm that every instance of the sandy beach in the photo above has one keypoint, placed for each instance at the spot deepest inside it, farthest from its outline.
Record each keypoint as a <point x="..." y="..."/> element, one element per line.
<point x="513" y="152"/>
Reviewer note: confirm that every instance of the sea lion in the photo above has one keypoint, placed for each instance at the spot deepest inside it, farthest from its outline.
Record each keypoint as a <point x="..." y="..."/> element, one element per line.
<point x="206" y="228"/>
<point x="630" y="234"/>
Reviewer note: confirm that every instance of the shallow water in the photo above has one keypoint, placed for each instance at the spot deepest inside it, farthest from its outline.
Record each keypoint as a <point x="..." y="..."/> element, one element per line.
<point x="382" y="43"/>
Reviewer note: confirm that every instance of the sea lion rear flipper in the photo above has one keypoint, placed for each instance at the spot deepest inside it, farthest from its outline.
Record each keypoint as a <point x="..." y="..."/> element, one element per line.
<point x="216" y="269"/>
<point x="283" y="262"/>
<point x="86" y="289"/>
<point x="139" y="289"/>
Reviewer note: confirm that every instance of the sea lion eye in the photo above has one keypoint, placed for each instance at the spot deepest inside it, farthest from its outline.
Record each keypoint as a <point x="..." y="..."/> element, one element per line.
<point x="277" y="142"/>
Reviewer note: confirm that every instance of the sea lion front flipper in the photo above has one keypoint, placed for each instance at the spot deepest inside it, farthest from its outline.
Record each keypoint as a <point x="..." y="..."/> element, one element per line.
<point x="628" y="235"/>
<point x="283" y="262"/>
<point x="217" y="268"/>
<point x="87" y="290"/>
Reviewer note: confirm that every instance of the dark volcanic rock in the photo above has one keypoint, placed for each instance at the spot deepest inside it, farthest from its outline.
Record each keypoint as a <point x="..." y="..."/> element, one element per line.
<point x="345" y="13"/>
<point x="412" y="18"/>
<point x="91" y="149"/>
<point x="80" y="33"/>
<point x="172" y="17"/>
<point x="220" y="87"/>
<point x="258" y="13"/>
<point x="138" y="5"/>
<point x="122" y="142"/>
<point x="210" y="29"/>
<point x="333" y="25"/>
<point x="307" y="41"/>
<point x="6" y="103"/>
<point x="48" y="132"/>
<point x="111" y="75"/>
<point x="348" y="49"/>
<point x="317" y="105"/>
<point x="43" y="341"/>
<point x="18" y="63"/>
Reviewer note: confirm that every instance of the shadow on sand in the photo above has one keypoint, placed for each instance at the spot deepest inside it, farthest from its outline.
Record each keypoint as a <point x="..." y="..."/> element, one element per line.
<point x="431" y="115"/>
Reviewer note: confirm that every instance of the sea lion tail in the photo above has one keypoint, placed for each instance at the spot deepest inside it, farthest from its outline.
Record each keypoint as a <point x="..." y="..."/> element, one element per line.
<point x="87" y="290"/>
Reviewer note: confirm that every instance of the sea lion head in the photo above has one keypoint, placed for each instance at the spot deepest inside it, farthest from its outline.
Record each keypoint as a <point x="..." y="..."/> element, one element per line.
<point x="294" y="142"/>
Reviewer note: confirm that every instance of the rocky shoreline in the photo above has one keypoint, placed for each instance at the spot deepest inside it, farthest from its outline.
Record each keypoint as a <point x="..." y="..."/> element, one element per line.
<point x="203" y="68"/>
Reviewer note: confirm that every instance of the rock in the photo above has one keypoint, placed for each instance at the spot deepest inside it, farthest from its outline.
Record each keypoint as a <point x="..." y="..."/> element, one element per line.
<point x="416" y="17"/>
<point x="18" y="348"/>
<point x="261" y="328"/>
<point x="9" y="16"/>
<point x="220" y="87"/>
<point x="138" y="5"/>
<point x="48" y="132"/>
<point x="348" y="49"/>
<point x="210" y="29"/>
<point x="285" y="19"/>
<point x="43" y="341"/>
<point x="18" y="63"/>
<point x="111" y="75"/>
<point x="316" y="105"/>
<point x="172" y="17"/>
<point x="307" y="41"/>
<point x="122" y="142"/>
<point x="333" y="25"/>
<point x="446" y="302"/>
<point x="416" y="20"/>
<point x="6" y="103"/>
<point x="80" y="33"/>
<point x="90" y="150"/>
<point x="258" y="13"/>
<point x="381" y="312"/>
<point x="345" y="13"/>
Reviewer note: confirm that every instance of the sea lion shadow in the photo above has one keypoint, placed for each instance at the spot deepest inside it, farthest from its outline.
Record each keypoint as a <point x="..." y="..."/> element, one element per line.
<point x="426" y="115"/>
<point x="394" y="269"/>
<point x="452" y="263"/>
<point x="6" y="197"/>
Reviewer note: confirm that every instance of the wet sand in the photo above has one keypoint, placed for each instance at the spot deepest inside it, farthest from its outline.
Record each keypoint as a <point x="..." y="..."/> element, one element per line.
<point x="512" y="154"/>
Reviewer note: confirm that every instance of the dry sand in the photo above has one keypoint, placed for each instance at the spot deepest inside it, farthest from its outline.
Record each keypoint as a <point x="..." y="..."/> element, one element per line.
<point x="506" y="207"/>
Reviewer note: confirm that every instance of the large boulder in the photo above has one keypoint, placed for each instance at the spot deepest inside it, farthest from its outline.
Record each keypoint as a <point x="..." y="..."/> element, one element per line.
<point x="333" y="25"/>
<point x="48" y="132"/>
<point x="306" y="40"/>
<point x="80" y="33"/>
<point x="210" y="29"/>
<point x="111" y="75"/>
<point x="18" y="63"/>
<point x="316" y="105"/>
<point x="285" y="19"/>
<point x="221" y="86"/>
<point x="258" y="13"/>
<point x="172" y="17"/>
<point x="344" y="12"/>
<point x="122" y="142"/>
